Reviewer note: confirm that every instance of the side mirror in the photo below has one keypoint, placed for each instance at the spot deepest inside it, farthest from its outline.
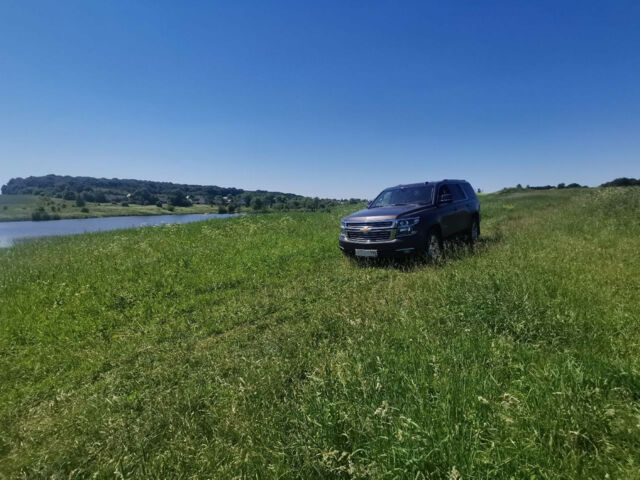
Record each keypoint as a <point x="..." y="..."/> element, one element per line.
<point x="369" y="204"/>
<point x="445" y="198"/>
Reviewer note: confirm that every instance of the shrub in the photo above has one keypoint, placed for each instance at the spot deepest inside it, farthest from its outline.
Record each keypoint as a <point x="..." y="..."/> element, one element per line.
<point x="222" y="209"/>
<point x="231" y="208"/>
<point x="84" y="210"/>
<point x="80" y="201"/>
<point x="40" y="214"/>
<point x="159" y="204"/>
<point x="171" y="208"/>
<point x="125" y="204"/>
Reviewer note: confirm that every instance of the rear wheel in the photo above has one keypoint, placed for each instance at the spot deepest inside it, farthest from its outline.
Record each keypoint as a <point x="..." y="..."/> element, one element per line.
<point x="434" y="245"/>
<point x="474" y="232"/>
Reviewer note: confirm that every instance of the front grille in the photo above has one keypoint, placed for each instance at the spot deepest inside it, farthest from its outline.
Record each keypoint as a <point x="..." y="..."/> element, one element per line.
<point x="380" y="231"/>
<point x="369" y="224"/>
<point x="372" y="236"/>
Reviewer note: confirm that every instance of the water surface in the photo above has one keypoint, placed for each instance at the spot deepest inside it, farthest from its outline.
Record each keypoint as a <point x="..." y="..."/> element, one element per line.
<point x="10" y="232"/>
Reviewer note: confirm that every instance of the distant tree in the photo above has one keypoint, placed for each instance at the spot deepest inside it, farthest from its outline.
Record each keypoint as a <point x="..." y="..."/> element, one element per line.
<point x="179" y="199"/>
<point x="257" y="203"/>
<point x="519" y="187"/>
<point x="622" y="182"/>
<point x="125" y="204"/>
<point x="561" y="185"/>
<point x="80" y="201"/>
<point x="69" y="195"/>
<point x="159" y="204"/>
<point x="268" y="199"/>
<point x="574" y="185"/>
<point x="231" y="208"/>
<point x="222" y="209"/>
<point x="100" y="197"/>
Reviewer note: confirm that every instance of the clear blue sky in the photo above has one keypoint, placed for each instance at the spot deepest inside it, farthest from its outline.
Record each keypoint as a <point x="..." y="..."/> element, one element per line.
<point x="334" y="99"/>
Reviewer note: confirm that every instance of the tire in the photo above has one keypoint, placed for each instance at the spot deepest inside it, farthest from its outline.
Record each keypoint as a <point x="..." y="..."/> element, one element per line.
<point x="474" y="232"/>
<point x="433" y="247"/>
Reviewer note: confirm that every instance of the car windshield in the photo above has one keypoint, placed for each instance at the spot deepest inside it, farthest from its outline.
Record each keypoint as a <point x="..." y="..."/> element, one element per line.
<point x="422" y="194"/>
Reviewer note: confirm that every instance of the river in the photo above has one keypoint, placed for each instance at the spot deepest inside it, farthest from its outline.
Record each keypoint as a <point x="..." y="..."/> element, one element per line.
<point x="11" y="232"/>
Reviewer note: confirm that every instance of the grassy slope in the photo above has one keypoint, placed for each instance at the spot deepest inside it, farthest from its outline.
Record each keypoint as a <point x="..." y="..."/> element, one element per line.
<point x="251" y="347"/>
<point x="20" y="207"/>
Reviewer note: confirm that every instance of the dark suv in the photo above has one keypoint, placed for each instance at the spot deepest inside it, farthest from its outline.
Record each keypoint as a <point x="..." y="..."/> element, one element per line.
<point x="412" y="218"/>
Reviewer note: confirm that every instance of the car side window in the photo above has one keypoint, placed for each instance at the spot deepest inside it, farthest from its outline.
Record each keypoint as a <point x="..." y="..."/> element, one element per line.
<point x="456" y="192"/>
<point x="442" y="191"/>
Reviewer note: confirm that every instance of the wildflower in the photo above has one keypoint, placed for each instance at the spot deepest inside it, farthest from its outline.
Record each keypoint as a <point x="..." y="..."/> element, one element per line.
<point x="382" y="409"/>
<point x="454" y="474"/>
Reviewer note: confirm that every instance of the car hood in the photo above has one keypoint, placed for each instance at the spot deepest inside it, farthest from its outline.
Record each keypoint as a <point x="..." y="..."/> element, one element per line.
<point x="385" y="213"/>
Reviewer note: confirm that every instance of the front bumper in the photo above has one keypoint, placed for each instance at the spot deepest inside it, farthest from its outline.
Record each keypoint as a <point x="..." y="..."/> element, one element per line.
<point x="396" y="247"/>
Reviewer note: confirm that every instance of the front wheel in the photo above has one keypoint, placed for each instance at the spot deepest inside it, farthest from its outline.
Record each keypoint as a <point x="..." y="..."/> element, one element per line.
<point x="434" y="246"/>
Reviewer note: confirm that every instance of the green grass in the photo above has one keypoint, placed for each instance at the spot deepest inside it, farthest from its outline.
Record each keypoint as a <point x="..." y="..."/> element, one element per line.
<point x="20" y="207"/>
<point x="250" y="347"/>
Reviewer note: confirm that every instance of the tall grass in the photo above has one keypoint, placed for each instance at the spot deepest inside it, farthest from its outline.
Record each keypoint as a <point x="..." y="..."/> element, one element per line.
<point x="251" y="348"/>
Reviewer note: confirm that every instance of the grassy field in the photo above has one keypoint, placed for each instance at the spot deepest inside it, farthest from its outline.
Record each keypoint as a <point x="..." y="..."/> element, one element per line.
<point x="251" y="348"/>
<point x="20" y="207"/>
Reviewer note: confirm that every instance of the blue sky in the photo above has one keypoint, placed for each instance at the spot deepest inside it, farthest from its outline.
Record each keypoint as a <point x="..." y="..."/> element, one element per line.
<point x="335" y="99"/>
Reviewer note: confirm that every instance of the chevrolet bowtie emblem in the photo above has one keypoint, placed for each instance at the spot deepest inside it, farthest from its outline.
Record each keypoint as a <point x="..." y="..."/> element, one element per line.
<point x="365" y="229"/>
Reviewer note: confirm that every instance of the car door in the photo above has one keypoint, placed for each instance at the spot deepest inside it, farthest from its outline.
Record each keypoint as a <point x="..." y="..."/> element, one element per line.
<point x="446" y="211"/>
<point x="461" y="211"/>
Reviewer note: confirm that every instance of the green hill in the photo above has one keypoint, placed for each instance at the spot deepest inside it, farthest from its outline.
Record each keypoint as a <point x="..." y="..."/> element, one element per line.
<point x="251" y="348"/>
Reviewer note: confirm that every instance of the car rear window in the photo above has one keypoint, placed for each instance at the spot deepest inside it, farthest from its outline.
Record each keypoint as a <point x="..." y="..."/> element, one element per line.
<point x="468" y="189"/>
<point x="456" y="192"/>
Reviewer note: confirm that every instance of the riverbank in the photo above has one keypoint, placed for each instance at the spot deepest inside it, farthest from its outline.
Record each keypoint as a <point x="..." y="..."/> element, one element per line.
<point x="14" y="208"/>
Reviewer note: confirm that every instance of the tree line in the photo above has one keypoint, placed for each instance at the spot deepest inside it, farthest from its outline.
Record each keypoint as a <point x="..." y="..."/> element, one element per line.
<point x="145" y="192"/>
<point x="618" y="182"/>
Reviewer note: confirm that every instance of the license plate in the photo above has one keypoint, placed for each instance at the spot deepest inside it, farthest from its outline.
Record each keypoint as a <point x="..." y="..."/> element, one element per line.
<point x="366" y="253"/>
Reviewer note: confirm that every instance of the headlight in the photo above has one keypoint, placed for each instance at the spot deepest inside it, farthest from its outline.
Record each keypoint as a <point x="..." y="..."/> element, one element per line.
<point x="405" y="226"/>
<point x="407" y="222"/>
